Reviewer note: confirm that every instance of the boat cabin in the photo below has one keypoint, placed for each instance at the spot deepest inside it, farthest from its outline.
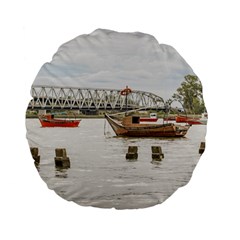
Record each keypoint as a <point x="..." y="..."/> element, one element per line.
<point x="48" y="116"/>
<point x="153" y="115"/>
<point x="129" y="120"/>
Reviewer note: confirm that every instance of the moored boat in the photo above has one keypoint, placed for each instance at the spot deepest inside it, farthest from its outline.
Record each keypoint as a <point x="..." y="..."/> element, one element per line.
<point x="130" y="126"/>
<point x="193" y="120"/>
<point x="49" y="121"/>
<point x="182" y="119"/>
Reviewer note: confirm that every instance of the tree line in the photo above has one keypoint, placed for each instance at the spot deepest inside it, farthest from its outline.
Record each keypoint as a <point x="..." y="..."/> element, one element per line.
<point x="190" y="95"/>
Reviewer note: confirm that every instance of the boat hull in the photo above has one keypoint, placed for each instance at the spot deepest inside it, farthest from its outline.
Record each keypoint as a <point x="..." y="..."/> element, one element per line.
<point x="147" y="130"/>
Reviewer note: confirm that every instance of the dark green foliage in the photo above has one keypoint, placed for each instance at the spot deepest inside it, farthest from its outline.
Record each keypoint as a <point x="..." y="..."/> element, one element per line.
<point x="190" y="95"/>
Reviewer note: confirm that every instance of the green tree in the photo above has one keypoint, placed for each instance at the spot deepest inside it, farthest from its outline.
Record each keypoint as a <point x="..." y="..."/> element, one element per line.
<point x="190" y="95"/>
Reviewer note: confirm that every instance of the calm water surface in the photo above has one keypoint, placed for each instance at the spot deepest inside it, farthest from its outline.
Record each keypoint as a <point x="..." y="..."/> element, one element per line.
<point x="100" y="175"/>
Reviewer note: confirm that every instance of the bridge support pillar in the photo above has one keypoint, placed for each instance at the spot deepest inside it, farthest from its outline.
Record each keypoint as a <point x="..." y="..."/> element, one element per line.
<point x="132" y="152"/>
<point x="61" y="159"/>
<point x="157" y="153"/>
<point x="35" y="156"/>
<point x="201" y="148"/>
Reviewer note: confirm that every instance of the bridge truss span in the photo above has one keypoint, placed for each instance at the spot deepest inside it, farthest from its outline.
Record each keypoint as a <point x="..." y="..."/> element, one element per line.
<point x="51" y="97"/>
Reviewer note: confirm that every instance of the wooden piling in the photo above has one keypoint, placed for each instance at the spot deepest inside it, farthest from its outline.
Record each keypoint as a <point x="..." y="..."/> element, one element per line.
<point x="132" y="152"/>
<point x="201" y="148"/>
<point x="157" y="153"/>
<point x="35" y="156"/>
<point x="61" y="159"/>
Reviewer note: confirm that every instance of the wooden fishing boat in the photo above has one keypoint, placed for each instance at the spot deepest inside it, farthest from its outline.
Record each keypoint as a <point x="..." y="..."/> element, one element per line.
<point x="130" y="126"/>
<point x="49" y="121"/>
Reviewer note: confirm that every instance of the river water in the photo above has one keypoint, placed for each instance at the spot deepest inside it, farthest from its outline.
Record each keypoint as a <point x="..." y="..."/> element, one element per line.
<point x="100" y="175"/>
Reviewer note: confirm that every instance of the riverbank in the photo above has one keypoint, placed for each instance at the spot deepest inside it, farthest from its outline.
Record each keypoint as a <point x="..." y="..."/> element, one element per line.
<point x="68" y="116"/>
<point x="160" y="115"/>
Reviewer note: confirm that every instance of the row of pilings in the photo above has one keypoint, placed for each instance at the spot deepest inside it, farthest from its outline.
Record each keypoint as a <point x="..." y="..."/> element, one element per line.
<point x="157" y="153"/>
<point x="62" y="160"/>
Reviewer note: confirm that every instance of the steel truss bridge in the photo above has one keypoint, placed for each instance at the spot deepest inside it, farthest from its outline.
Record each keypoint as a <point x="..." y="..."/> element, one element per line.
<point x="52" y="97"/>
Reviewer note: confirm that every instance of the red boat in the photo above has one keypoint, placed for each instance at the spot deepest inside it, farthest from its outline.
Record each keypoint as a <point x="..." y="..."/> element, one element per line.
<point x="192" y="121"/>
<point x="153" y="118"/>
<point x="172" y="118"/>
<point x="50" y="121"/>
<point x="183" y="119"/>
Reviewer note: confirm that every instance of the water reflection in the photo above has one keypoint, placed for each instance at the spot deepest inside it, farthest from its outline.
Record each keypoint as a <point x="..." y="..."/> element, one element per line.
<point x="61" y="173"/>
<point x="131" y="160"/>
<point x="157" y="163"/>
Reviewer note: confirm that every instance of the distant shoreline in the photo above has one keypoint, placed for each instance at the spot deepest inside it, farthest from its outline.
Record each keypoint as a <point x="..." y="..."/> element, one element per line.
<point x="67" y="116"/>
<point x="33" y="116"/>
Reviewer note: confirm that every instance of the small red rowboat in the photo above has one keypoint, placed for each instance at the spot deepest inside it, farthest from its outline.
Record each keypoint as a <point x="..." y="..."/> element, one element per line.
<point x="50" y="121"/>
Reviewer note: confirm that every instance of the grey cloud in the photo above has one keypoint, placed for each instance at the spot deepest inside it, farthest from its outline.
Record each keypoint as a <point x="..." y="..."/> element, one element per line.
<point x="107" y="59"/>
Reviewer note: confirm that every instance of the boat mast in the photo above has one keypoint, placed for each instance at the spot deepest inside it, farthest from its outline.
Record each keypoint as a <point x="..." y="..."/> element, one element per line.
<point x="125" y="93"/>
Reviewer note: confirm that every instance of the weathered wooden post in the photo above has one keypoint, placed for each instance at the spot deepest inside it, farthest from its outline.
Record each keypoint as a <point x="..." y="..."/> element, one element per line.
<point x="201" y="148"/>
<point x="61" y="159"/>
<point x="35" y="156"/>
<point x="132" y="152"/>
<point x="157" y="153"/>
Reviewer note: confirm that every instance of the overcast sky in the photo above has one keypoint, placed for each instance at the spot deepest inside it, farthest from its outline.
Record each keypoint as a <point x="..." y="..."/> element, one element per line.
<point x="108" y="59"/>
